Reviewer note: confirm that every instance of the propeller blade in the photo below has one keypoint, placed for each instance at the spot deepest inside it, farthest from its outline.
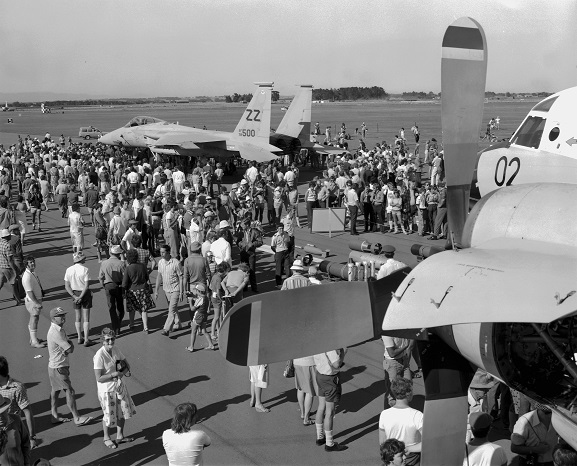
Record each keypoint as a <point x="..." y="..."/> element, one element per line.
<point x="463" y="76"/>
<point x="447" y="377"/>
<point x="275" y="326"/>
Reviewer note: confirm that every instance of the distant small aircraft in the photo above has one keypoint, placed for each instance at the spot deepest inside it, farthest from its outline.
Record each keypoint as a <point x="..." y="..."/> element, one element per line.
<point x="250" y="139"/>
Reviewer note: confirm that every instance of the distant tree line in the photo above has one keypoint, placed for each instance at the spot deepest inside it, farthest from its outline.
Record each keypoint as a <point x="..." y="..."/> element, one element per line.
<point x="108" y="102"/>
<point x="237" y="98"/>
<point x="419" y="95"/>
<point x="350" y="93"/>
<point x="343" y="93"/>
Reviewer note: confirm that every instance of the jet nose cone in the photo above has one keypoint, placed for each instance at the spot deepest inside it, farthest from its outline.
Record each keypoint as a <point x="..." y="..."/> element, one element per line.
<point x="109" y="139"/>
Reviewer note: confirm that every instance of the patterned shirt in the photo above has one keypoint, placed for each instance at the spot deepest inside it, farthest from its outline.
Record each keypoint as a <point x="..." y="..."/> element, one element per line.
<point x="295" y="281"/>
<point x="171" y="274"/>
<point x="5" y="254"/>
<point x="16" y="392"/>
<point x="143" y="255"/>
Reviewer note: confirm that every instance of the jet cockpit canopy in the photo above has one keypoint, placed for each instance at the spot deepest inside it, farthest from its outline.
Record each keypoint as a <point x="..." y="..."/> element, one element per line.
<point x="142" y="120"/>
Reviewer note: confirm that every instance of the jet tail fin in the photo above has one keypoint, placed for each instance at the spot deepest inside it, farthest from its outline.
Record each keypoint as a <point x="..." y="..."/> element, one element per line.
<point x="297" y="119"/>
<point x="255" y="121"/>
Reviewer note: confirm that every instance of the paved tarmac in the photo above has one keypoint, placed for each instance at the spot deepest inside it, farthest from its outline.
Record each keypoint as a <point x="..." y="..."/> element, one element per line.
<point x="164" y="375"/>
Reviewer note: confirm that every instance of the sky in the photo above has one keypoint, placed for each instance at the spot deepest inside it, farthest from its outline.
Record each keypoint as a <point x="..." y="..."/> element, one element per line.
<point x="148" y="48"/>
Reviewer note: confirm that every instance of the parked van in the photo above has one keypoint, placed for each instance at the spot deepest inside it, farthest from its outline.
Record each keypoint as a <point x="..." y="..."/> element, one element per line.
<point x="89" y="132"/>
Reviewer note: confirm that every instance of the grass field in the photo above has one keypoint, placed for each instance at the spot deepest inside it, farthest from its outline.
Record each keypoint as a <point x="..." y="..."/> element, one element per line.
<point x="384" y="119"/>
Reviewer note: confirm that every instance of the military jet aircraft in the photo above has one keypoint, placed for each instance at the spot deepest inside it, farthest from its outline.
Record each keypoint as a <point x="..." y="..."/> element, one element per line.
<point x="250" y="139"/>
<point x="504" y="299"/>
<point x="294" y="131"/>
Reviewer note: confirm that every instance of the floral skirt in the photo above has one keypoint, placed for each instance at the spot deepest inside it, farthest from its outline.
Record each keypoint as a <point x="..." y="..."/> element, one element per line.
<point x="139" y="300"/>
<point x="116" y="405"/>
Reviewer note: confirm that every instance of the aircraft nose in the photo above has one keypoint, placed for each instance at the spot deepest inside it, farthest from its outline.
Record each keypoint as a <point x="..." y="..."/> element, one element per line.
<point x="109" y="138"/>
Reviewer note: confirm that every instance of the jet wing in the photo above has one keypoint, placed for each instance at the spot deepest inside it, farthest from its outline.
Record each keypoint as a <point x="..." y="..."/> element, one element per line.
<point x="328" y="150"/>
<point x="187" y="140"/>
<point x="478" y="285"/>
<point x="202" y="139"/>
<point x="250" y="151"/>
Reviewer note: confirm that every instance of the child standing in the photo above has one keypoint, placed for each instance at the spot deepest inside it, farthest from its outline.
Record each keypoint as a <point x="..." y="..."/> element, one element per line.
<point x="200" y="317"/>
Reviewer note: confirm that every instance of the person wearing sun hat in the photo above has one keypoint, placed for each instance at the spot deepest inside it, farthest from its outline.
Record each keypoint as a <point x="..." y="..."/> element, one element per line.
<point x="59" y="347"/>
<point x="76" y="283"/>
<point x="15" y="439"/>
<point x="297" y="279"/>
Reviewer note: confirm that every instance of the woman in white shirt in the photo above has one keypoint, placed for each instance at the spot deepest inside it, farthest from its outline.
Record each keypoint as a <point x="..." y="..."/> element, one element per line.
<point x="110" y="366"/>
<point x="182" y="443"/>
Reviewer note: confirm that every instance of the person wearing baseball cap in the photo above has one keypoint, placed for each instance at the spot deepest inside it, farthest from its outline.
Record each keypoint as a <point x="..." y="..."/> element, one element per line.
<point x="196" y="272"/>
<point x="110" y="276"/>
<point x="59" y="347"/>
<point x="478" y="448"/>
<point x="391" y="265"/>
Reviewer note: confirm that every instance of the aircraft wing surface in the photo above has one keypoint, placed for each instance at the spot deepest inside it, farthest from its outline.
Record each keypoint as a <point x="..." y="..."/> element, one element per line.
<point x="184" y="139"/>
<point x="199" y="140"/>
<point x="250" y="151"/>
<point x="322" y="149"/>
<point x="503" y="280"/>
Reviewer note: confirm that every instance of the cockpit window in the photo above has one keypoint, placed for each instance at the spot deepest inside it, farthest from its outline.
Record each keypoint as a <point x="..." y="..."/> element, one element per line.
<point x="545" y="105"/>
<point x="142" y="120"/>
<point x="529" y="134"/>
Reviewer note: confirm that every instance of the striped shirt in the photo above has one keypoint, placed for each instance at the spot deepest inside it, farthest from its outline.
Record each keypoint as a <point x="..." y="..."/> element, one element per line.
<point x="295" y="281"/>
<point x="171" y="274"/>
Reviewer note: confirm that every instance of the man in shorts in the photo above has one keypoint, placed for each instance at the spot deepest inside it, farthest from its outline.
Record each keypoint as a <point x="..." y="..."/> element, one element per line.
<point x="327" y="373"/>
<point x="76" y="281"/>
<point x="33" y="300"/>
<point x="59" y="347"/>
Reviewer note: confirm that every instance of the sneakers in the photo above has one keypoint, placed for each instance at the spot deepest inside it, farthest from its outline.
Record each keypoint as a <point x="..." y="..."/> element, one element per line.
<point x="433" y="237"/>
<point x="335" y="447"/>
<point x="321" y="441"/>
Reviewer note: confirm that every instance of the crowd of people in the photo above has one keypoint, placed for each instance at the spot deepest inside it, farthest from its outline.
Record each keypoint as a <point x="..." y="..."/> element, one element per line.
<point x="147" y="213"/>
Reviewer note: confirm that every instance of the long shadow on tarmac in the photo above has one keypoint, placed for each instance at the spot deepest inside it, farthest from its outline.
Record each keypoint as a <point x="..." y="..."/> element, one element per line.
<point x="208" y="411"/>
<point x="141" y="453"/>
<point x="168" y="389"/>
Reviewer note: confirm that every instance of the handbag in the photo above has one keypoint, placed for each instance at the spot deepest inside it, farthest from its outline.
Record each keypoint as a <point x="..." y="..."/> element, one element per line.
<point x="289" y="370"/>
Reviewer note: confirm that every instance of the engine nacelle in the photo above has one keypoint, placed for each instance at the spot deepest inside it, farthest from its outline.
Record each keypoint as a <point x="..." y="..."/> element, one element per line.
<point x="540" y="212"/>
